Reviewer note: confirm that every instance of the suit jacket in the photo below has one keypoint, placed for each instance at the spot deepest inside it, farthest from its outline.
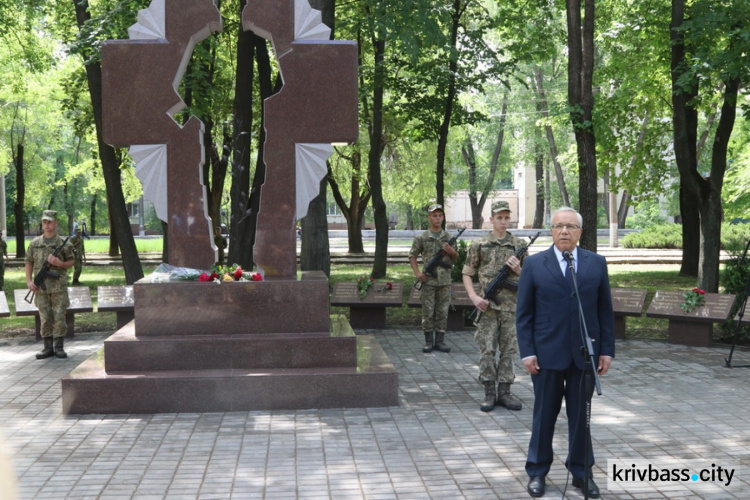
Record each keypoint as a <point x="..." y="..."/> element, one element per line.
<point x="547" y="312"/>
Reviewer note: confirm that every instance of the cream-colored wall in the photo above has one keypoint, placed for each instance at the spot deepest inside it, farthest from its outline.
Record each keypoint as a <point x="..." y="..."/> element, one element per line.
<point x="458" y="207"/>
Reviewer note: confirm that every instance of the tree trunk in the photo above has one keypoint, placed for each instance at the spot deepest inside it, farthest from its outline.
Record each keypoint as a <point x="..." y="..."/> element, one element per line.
<point x="110" y="165"/>
<point x="315" y="254"/>
<point x="539" y="78"/>
<point x="92" y="216"/>
<point x="581" y="101"/>
<point x="18" y="161"/>
<point x="708" y="276"/>
<point x="685" y="130"/>
<point x="354" y="212"/>
<point x="539" y="181"/>
<point x="622" y="210"/>
<point x="241" y="233"/>
<point x="376" y="186"/>
<point x="450" y="99"/>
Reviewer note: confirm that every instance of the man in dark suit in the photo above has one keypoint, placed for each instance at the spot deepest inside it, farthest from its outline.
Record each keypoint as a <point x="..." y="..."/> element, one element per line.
<point x="550" y="343"/>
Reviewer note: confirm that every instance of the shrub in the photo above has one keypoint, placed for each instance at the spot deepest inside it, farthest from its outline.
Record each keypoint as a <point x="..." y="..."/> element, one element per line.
<point x="456" y="274"/>
<point x="656" y="236"/>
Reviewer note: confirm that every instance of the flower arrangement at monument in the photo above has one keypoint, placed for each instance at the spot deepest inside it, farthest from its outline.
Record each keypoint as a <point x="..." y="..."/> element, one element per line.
<point x="388" y="286"/>
<point x="228" y="274"/>
<point x="363" y="284"/>
<point x="692" y="299"/>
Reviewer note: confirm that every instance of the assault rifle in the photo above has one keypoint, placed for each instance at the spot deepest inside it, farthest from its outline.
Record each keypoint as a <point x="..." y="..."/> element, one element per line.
<point x="44" y="272"/>
<point x="501" y="281"/>
<point x="437" y="260"/>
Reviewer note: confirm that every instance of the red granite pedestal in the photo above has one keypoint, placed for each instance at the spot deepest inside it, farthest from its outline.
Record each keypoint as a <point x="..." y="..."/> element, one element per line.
<point x="205" y="347"/>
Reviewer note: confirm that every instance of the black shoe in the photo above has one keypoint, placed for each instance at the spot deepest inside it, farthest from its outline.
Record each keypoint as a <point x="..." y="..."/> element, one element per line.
<point x="593" y="488"/>
<point x="536" y="486"/>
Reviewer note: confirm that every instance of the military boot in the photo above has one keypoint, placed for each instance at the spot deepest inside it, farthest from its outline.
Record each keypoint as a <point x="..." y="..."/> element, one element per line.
<point x="59" y="352"/>
<point x="439" y="342"/>
<point x="505" y="398"/>
<point x="47" y="351"/>
<point x="428" y="341"/>
<point x="489" y="396"/>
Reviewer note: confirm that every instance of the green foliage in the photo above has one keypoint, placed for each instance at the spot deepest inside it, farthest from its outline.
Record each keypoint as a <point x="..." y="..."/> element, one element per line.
<point x="647" y="214"/>
<point x="658" y="236"/>
<point x="456" y="270"/>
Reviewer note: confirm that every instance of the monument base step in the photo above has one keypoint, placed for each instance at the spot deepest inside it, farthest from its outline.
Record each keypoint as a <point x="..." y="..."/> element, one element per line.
<point x="89" y="389"/>
<point x="126" y="352"/>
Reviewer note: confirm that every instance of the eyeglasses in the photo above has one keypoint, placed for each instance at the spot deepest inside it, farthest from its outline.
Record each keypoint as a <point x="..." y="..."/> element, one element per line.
<point x="569" y="227"/>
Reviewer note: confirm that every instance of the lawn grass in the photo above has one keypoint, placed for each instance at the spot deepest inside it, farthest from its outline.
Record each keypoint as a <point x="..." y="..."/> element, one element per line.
<point x="649" y="277"/>
<point x="101" y="244"/>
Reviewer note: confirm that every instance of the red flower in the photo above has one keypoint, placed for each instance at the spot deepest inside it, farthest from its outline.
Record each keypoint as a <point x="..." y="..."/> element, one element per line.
<point x="372" y="279"/>
<point x="204" y="277"/>
<point x="237" y="273"/>
<point x="389" y="285"/>
<point x="257" y="277"/>
<point x="698" y="290"/>
<point x="214" y="276"/>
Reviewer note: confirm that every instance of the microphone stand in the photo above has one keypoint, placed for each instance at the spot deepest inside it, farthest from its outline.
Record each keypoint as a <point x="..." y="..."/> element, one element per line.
<point x="591" y="366"/>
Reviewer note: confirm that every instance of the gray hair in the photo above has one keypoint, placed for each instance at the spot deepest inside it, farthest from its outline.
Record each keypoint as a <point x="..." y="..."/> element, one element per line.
<point x="567" y="209"/>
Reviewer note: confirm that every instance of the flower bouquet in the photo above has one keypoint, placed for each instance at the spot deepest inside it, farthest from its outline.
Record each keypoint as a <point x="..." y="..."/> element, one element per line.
<point x="227" y="274"/>
<point x="693" y="298"/>
<point x="363" y="284"/>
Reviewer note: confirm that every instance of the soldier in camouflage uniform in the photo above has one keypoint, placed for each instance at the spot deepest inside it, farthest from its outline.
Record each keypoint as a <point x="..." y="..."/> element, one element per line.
<point x="496" y="330"/>
<point x="53" y="301"/>
<point x="80" y="254"/>
<point x="435" y="293"/>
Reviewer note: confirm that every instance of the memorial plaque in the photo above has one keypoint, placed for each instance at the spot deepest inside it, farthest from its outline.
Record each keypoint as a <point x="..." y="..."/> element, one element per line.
<point x="4" y="310"/>
<point x="80" y="299"/>
<point x="696" y="327"/>
<point x="346" y="294"/>
<point x="118" y="299"/>
<point x="666" y="304"/>
<point x="628" y="301"/>
<point x="23" y="308"/>
<point x="114" y="298"/>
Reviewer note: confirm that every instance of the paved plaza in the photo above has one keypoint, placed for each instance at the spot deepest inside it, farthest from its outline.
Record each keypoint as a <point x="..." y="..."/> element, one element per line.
<point x="660" y="402"/>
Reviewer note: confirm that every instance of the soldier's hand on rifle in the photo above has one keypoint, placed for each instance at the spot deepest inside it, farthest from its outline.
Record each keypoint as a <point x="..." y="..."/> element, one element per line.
<point x="449" y="251"/>
<point x="422" y="277"/>
<point x="479" y="302"/>
<point x="54" y="261"/>
<point x="31" y="286"/>
<point x="514" y="264"/>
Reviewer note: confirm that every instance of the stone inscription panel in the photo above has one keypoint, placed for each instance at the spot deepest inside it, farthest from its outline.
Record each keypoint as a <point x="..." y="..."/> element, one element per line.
<point x="346" y="294"/>
<point x="4" y="310"/>
<point x="111" y="298"/>
<point x="80" y="299"/>
<point x="628" y="301"/>
<point x="666" y="304"/>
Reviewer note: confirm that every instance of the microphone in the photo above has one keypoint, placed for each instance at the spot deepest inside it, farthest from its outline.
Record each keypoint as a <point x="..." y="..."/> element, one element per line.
<point x="567" y="255"/>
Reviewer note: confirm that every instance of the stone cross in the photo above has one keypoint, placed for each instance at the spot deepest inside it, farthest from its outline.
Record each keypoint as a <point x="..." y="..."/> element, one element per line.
<point x="140" y="78"/>
<point x="316" y="106"/>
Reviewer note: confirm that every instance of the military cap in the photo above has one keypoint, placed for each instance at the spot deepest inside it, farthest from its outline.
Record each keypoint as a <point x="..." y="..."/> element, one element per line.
<point x="49" y="215"/>
<point x="499" y="206"/>
<point x="435" y="206"/>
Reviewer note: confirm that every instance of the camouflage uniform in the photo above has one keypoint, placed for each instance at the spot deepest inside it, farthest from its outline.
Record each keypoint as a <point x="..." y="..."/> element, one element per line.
<point x="436" y="292"/>
<point x="497" y="327"/>
<point x="78" y="251"/>
<point x="53" y="302"/>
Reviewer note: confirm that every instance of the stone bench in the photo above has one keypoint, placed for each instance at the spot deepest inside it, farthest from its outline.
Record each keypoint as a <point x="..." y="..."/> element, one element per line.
<point x="696" y="327"/>
<point x="626" y="302"/>
<point x="80" y="302"/>
<point x="4" y="309"/>
<point x="118" y="299"/>
<point x="460" y="302"/>
<point x="370" y="311"/>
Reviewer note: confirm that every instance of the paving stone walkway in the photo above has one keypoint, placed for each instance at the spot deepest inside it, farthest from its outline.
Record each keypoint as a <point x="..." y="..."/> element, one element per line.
<point x="660" y="402"/>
